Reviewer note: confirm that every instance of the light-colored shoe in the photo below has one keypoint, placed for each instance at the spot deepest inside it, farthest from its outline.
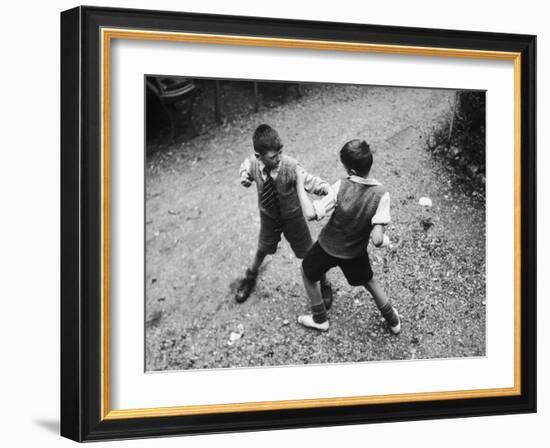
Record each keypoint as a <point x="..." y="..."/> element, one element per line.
<point x="307" y="321"/>
<point x="396" y="329"/>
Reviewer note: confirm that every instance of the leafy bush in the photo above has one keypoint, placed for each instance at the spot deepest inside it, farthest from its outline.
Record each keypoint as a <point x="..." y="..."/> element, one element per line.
<point x="469" y="129"/>
<point x="461" y="137"/>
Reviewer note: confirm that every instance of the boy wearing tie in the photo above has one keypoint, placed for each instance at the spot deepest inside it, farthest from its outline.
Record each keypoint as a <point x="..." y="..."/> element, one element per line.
<point x="275" y="176"/>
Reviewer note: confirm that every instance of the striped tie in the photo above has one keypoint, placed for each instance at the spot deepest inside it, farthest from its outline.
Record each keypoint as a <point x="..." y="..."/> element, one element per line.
<point x="270" y="200"/>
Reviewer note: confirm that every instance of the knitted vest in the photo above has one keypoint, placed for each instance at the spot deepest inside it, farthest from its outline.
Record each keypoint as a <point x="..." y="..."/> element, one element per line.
<point x="285" y="184"/>
<point x="347" y="233"/>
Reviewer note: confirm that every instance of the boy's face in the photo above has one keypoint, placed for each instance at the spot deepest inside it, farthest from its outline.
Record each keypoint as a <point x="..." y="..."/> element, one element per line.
<point x="271" y="158"/>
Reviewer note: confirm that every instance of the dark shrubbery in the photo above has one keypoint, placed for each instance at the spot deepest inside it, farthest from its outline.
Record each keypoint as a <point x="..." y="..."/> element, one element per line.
<point x="461" y="137"/>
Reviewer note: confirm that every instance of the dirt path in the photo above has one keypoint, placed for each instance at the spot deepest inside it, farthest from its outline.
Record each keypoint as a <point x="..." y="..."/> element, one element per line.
<point x="202" y="227"/>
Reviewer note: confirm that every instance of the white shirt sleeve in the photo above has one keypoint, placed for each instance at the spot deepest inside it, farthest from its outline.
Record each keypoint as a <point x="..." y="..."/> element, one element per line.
<point x="382" y="215"/>
<point x="245" y="167"/>
<point x="244" y="173"/>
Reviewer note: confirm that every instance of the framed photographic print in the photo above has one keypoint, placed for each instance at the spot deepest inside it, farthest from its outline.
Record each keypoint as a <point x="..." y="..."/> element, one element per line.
<point x="276" y="224"/>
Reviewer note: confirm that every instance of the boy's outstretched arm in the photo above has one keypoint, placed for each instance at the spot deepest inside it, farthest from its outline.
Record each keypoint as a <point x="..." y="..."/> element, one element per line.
<point x="313" y="184"/>
<point x="305" y="202"/>
<point x="244" y="173"/>
<point x="318" y="209"/>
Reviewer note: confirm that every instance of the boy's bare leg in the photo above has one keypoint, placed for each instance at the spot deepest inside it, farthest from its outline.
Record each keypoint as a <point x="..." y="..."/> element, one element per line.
<point x="246" y="285"/>
<point x="257" y="262"/>
<point x="383" y="303"/>
<point x="377" y="292"/>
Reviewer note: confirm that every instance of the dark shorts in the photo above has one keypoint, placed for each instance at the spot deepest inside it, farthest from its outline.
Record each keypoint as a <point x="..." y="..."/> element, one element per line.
<point x="317" y="263"/>
<point x="294" y="229"/>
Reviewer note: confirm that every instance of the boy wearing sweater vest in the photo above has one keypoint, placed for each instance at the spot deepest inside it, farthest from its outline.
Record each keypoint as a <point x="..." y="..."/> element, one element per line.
<point x="360" y="209"/>
<point x="275" y="176"/>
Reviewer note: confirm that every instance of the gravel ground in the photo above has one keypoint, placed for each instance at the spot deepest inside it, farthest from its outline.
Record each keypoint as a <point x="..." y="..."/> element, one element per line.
<point x="202" y="227"/>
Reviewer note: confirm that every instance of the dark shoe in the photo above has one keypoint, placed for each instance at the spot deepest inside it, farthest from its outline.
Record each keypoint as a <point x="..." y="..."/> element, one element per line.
<point x="245" y="286"/>
<point x="326" y="293"/>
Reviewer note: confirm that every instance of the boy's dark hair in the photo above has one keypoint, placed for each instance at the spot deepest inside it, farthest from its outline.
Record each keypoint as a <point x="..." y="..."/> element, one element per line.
<point x="265" y="139"/>
<point x="356" y="155"/>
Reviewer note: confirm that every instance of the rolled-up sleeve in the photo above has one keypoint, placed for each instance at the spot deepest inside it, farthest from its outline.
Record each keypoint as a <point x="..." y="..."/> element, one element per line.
<point x="382" y="215"/>
<point x="245" y="167"/>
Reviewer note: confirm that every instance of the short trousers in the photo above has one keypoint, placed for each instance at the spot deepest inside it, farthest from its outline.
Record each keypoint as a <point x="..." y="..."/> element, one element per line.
<point x="317" y="263"/>
<point x="295" y="230"/>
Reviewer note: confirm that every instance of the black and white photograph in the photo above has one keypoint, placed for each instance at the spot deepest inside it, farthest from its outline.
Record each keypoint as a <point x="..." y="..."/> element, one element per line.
<point x="292" y="223"/>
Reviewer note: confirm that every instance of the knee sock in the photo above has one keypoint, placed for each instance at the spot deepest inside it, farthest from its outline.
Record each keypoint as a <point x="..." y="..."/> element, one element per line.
<point x="319" y="313"/>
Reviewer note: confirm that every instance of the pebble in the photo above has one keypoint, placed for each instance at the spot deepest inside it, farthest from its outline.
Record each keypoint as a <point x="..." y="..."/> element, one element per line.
<point x="425" y="202"/>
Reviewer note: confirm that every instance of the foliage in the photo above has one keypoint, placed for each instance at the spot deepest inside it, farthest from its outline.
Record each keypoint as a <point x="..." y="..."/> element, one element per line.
<point x="461" y="138"/>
